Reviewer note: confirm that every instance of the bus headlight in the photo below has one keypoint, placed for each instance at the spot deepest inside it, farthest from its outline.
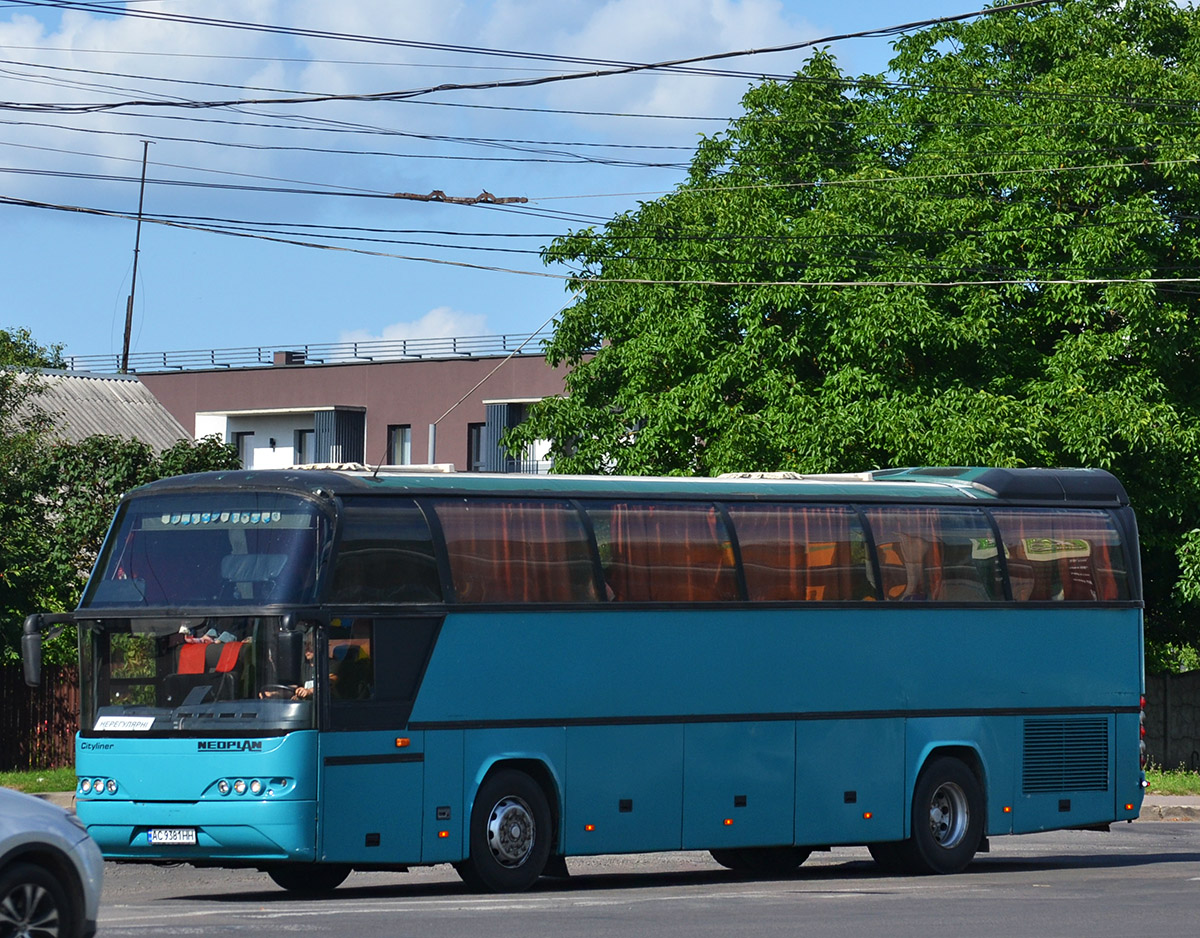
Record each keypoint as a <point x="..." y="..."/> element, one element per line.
<point x="240" y="786"/>
<point x="111" y="787"/>
<point x="85" y="786"/>
<point x="223" y="787"/>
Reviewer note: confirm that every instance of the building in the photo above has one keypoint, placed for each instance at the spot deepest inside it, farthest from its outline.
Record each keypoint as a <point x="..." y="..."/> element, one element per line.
<point x="368" y="402"/>
<point x="83" y="404"/>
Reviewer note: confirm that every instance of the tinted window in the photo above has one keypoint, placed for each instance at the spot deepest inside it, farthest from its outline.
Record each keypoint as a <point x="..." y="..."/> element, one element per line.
<point x="941" y="554"/>
<point x="1063" y="554"/>
<point x="798" y="552"/>
<point x="209" y="549"/>
<point x="664" y="552"/>
<point x="385" y="556"/>
<point x="524" y="551"/>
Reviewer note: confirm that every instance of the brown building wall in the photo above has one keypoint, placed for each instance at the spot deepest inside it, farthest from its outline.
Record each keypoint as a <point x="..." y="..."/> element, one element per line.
<point x="399" y="392"/>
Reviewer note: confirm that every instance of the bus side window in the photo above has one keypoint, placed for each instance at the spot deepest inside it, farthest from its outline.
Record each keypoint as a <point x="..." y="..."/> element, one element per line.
<point x="1063" y="554"/>
<point x="802" y="552"/>
<point x="664" y="552"/>
<point x="351" y="665"/>
<point x="940" y="554"/>
<point x="385" y="556"/>
<point x="517" y="551"/>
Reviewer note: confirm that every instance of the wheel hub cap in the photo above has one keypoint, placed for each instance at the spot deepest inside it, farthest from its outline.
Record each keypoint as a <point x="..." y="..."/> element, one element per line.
<point x="511" y="831"/>
<point x="948" y="815"/>
<point x="30" y="912"/>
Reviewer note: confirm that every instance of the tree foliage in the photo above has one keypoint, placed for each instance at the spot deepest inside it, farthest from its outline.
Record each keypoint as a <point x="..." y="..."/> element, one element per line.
<point x="987" y="256"/>
<point x="57" y="498"/>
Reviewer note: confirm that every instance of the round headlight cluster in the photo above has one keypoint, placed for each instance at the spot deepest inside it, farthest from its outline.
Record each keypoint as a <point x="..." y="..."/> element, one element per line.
<point x="239" y="786"/>
<point x="97" y="786"/>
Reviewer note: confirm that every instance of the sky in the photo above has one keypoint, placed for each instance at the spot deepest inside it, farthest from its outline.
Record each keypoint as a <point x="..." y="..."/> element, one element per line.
<point x="246" y="178"/>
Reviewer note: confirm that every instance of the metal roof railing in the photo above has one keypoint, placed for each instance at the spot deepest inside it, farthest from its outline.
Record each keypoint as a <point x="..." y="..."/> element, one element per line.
<point x="326" y="353"/>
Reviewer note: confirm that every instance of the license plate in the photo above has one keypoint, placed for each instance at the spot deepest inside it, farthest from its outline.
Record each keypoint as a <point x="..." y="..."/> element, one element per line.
<point x="171" y="835"/>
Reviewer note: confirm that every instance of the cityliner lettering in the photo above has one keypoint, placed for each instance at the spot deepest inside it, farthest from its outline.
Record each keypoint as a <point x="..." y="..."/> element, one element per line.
<point x="229" y="745"/>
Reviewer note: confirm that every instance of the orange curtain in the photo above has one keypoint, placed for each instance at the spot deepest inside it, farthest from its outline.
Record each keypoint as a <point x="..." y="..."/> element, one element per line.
<point x="797" y="553"/>
<point x="668" y="553"/>
<point x="517" y="551"/>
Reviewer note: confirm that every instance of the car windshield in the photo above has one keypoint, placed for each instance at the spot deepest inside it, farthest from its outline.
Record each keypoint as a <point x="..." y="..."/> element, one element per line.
<point x="212" y="674"/>
<point x="180" y="551"/>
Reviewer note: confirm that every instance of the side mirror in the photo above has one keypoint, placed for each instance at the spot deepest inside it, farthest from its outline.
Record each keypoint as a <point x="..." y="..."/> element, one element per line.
<point x="31" y="650"/>
<point x="31" y="641"/>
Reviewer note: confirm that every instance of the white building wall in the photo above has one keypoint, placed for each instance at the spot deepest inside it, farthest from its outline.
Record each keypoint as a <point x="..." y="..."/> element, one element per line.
<point x="278" y="427"/>
<point x="210" y="424"/>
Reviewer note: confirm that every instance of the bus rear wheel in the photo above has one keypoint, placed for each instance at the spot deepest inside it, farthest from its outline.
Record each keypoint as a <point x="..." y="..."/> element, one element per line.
<point x="510" y="834"/>
<point x="762" y="861"/>
<point x="309" y="877"/>
<point x="947" y="822"/>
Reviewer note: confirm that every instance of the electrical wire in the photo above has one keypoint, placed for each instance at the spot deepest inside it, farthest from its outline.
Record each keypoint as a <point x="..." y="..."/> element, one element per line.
<point x="1028" y="281"/>
<point x="618" y="69"/>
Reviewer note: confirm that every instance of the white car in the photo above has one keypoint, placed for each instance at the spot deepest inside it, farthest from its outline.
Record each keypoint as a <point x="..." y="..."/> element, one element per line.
<point x="50" y="870"/>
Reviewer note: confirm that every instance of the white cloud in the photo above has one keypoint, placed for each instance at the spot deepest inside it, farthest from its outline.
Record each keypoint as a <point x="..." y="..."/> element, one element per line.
<point x="440" y="323"/>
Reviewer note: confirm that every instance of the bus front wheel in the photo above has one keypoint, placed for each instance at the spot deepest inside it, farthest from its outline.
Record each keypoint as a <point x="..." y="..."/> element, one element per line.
<point x="947" y="822"/>
<point x="309" y="877"/>
<point x="509" y="835"/>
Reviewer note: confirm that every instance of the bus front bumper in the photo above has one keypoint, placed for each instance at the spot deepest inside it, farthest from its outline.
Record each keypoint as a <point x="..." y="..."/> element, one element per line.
<point x="226" y="831"/>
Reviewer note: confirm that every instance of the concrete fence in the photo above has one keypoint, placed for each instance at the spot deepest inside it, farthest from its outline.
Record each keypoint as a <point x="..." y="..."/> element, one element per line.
<point x="1173" y="719"/>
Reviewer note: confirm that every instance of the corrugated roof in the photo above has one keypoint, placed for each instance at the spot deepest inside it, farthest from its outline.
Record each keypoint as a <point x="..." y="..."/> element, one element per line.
<point x="119" y="405"/>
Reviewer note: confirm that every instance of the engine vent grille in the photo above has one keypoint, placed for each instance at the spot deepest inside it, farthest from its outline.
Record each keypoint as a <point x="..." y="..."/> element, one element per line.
<point x="1065" y="755"/>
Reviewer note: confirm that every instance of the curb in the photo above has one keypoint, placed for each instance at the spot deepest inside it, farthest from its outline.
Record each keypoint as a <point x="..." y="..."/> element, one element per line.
<point x="1170" y="812"/>
<point x="64" y="799"/>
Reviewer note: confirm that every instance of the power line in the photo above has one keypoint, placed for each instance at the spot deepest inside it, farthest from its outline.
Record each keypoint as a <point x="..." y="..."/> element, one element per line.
<point x="1027" y="281"/>
<point x="607" y="71"/>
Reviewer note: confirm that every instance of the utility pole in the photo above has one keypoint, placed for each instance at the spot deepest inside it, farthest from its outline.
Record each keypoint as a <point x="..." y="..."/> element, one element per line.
<point x="137" y="243"/>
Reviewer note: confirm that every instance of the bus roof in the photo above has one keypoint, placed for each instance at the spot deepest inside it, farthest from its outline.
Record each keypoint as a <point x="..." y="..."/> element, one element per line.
<point x="1094" y="487"/>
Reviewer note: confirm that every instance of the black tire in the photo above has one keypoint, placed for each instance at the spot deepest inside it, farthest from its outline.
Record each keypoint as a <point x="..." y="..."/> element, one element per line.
<point x="312" y="878"/>
<point x="762" y="861"/>
<point x="890" y="857"/>
<point x="510" y="834"/>
<point x="947" y="822"/>
<point x="34" y="903"/>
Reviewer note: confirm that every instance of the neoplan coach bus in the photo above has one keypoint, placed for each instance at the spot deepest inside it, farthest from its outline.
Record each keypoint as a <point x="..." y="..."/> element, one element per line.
<point x="311" y="671"/>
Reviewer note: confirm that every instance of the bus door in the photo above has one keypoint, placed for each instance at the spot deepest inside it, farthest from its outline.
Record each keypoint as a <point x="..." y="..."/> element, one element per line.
<point x="372" y="768"/>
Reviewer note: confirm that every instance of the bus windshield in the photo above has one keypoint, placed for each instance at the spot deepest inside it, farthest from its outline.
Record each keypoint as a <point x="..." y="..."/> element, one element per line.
<point x="198" y="549"/>
<point x="248" y="674"/>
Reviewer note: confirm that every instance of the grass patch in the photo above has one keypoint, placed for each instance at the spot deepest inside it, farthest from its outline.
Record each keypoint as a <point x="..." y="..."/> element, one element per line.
<point x="40" y="780"/>
<point x="1172" y="781"/>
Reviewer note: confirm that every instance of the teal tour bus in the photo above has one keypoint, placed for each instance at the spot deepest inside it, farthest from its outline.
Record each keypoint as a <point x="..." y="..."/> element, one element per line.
<point x="311" y="671"/>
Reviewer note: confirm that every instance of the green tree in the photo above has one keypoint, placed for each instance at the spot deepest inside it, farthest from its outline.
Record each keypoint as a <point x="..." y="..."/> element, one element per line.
<point x="987" y="256"/>
<point x="22" y="430"/>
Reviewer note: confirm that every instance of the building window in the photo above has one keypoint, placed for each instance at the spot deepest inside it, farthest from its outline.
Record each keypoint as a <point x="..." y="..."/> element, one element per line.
<point x="475" y="462"/>
<point x="241" y="442"/>
<point x="399" y="445"/>
<point x="305" y="447"/>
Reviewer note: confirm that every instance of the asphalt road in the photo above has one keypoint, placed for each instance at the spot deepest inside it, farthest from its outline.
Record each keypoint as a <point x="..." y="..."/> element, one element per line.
<point x="1140" y="879"/>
